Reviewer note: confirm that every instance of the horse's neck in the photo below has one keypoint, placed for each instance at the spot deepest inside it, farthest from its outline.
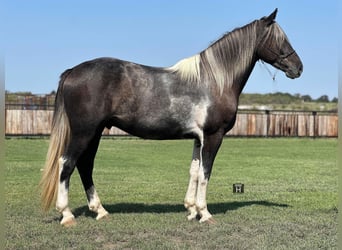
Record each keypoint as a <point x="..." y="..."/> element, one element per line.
<point x="232" y="58"/>
<point x="240" y="82"/>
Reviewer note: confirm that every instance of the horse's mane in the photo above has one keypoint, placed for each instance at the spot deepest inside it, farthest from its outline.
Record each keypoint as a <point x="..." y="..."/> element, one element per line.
<point x="225" y="59"/>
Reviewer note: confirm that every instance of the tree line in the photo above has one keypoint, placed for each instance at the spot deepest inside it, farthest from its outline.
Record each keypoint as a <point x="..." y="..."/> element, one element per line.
<point x="282" y="98"/>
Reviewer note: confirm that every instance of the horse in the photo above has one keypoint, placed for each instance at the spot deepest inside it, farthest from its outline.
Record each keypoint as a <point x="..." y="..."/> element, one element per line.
<point x="197" y="98"/>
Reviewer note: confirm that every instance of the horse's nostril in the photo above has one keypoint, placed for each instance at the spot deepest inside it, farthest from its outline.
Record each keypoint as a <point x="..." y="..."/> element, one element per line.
<point x="300" y="69"/>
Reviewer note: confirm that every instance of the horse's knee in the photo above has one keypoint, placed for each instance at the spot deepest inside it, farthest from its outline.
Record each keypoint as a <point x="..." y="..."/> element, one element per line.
<point x="194" y="167"/>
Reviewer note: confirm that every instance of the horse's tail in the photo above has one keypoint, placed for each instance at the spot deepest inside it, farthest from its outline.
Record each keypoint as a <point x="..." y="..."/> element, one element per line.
<point x="59" y="139"/>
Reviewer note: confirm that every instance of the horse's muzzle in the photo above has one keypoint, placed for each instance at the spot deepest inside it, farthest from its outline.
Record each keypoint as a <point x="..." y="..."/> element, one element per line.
<point x="294" y="72"/>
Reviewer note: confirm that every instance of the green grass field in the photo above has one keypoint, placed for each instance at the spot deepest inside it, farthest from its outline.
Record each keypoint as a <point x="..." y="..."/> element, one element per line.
<point x="290" y="199"/>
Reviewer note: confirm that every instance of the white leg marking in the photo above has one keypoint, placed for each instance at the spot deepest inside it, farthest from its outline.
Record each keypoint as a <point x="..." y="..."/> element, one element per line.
<point x="195" y="199"/>
<point x="62" y="199"/>
<point x="94" y="203"/>
<point x="201" y="202"/>
<point x="190" y="197"/>
<point x="68" y="218"/>
<point x="62" y="195"/>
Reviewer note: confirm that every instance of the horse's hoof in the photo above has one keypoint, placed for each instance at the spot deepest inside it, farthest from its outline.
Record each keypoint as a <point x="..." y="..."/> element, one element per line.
<point x="68" y="221"/>
<point x="191" y="216"/>
<point x="192" y="211"/>
<point x="104" y="216"/>
<point x="209" y="221"/>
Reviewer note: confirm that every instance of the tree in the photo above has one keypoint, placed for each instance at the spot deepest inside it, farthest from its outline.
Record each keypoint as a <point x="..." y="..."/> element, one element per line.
<point x="306" y="98"/>
<point x="335" y="99"/>
<point x="323" y="98"/>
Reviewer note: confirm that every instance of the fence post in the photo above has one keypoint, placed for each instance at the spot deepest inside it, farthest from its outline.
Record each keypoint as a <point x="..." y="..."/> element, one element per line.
<point x="314" y="114"/>
<point x="267" y="112"/>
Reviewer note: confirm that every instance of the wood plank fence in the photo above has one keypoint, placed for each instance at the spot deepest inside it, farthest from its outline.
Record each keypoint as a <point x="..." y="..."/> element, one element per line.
<point x="248" y="123"/>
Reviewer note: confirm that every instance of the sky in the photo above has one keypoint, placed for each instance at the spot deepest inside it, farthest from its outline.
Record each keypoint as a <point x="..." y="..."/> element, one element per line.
<point x="41" y="39"/>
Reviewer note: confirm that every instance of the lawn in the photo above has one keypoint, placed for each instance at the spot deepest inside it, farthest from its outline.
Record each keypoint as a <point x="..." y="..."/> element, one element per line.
<point x="290" y="198"/>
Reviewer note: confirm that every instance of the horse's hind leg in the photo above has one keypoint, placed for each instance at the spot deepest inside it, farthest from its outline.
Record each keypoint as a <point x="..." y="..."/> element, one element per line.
<point x="66" y="168"/>
<point x="85" y="166"/>
<point x="67" y="163"/>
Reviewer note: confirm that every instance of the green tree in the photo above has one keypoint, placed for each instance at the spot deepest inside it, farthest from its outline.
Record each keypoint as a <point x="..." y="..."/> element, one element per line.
<point x="323" y="98"/>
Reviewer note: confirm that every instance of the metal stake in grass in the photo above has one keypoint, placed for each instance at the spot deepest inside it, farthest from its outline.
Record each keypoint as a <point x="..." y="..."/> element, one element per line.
<point x="238" y="187"/>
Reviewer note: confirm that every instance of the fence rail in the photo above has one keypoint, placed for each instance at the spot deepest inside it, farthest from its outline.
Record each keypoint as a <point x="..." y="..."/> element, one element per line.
<point x="248" y="123"/>
<point x="285" y="123"/>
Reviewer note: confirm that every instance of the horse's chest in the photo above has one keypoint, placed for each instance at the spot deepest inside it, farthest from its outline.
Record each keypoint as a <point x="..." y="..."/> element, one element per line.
<point x="221" y="116"/>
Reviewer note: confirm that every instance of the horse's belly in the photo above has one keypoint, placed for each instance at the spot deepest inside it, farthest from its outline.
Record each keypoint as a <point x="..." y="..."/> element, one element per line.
<point x="165" y="129"/>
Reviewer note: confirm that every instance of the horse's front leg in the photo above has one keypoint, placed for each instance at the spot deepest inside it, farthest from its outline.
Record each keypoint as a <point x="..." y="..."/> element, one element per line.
<point x="209" y="150"/>
<point x="190" y="197"/>
<point x="201" y="202"/>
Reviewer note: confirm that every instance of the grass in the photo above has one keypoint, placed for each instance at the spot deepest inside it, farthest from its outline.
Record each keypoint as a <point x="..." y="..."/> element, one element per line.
<point x="290" y="199"/>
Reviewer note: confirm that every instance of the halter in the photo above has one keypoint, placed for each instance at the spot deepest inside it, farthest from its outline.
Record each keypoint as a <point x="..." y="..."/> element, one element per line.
<point x="261" y="44"/>
<point x="282" y="57"/>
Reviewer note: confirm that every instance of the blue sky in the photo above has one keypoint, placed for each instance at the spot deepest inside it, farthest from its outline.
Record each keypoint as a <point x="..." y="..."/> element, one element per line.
<point x="43" y="38"/>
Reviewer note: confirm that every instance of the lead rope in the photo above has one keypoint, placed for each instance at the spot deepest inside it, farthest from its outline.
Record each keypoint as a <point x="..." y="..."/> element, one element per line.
<point x="273" y="76"/>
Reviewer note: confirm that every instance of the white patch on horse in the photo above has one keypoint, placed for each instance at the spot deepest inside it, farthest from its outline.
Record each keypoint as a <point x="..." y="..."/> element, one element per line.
<point x="62" y="198"/>
<point x="199" y="115"/>
<point x="62" y="194"/>
<point x="190" y="197"/>
<point x="201" y="202"/>
<point x="94" y="203"/>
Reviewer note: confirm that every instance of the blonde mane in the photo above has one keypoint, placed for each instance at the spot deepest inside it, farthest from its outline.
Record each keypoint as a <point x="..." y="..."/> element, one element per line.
<point x="188" y="68"/>
<point x="223" y="61"/>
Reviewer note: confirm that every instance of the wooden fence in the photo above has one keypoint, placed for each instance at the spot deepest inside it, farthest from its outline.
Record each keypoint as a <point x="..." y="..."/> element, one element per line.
<point x="248" y="123"/>
<point x="285" y="123"/>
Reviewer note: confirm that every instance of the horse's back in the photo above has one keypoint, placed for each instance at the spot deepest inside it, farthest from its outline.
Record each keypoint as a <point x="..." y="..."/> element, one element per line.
<point x="113" y="92"/>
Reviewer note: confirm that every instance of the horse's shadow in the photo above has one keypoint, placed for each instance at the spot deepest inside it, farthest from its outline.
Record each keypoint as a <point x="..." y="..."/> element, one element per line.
<point x="214" y="208"/>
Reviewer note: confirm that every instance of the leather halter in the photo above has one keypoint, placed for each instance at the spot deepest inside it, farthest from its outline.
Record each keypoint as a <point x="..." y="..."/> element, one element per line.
<point x="281" y="57"/>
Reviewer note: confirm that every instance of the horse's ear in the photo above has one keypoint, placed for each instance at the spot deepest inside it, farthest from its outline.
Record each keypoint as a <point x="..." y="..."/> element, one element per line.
<point x="271" y="18"/>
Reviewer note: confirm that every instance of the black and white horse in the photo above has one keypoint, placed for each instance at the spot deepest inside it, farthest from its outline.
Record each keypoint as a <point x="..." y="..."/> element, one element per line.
<point x="196" y="98"/>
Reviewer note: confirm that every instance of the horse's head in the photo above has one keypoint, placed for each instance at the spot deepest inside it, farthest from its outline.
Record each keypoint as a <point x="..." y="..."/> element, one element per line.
<point x="275" y="48"/>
